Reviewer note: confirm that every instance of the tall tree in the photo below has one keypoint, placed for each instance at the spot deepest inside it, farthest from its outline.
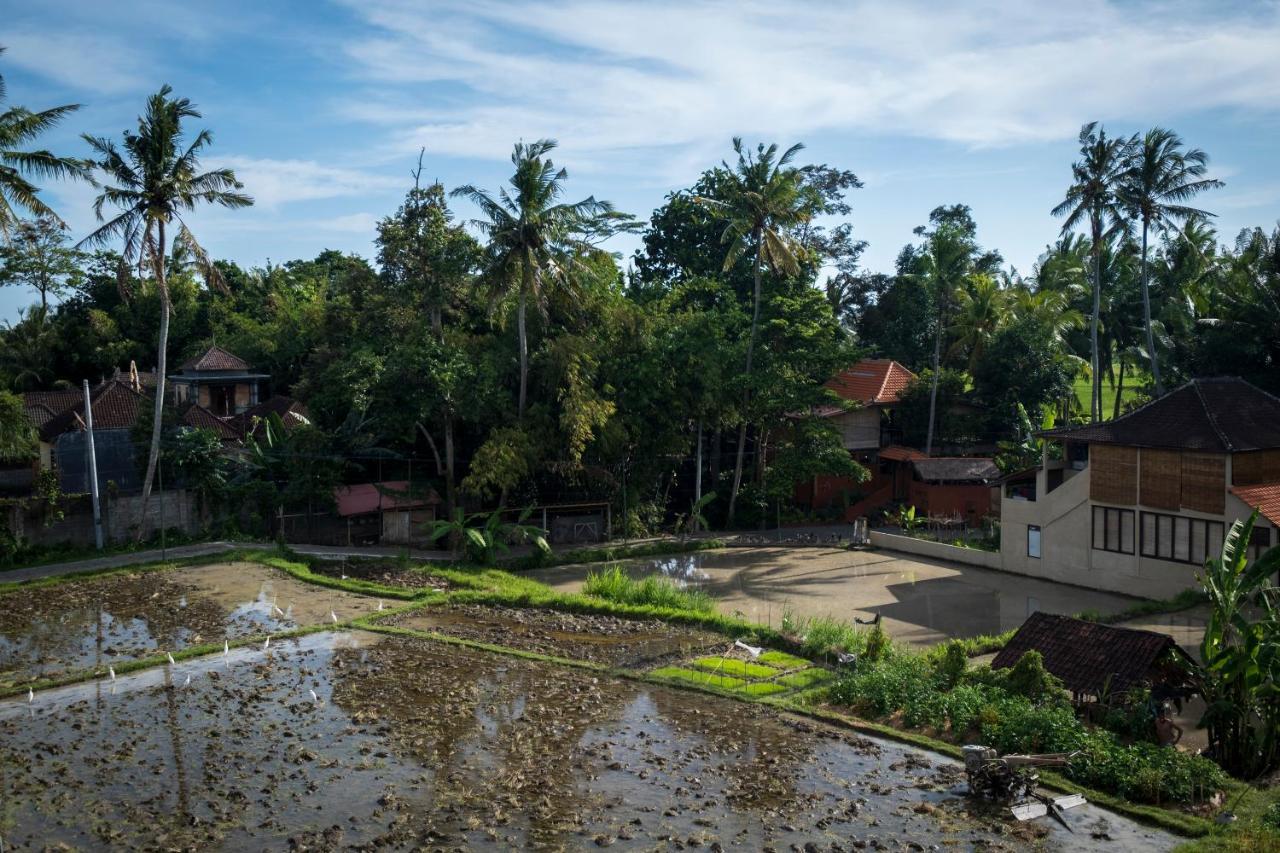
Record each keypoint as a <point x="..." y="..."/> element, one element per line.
<point x="1161" y="176"/>
<point x="945" y="263"/>
<point x="764" y="199"/>
<point x="153" y="180"/>
<point x="1092" y="197"/>
<point x="19" y="127"/>
<point x="532" y="239"/>
<point x="39" y="258"/>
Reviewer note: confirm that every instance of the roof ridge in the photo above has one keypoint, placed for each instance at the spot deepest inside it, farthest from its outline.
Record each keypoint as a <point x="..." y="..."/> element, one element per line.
<point x="1213" y="421"/>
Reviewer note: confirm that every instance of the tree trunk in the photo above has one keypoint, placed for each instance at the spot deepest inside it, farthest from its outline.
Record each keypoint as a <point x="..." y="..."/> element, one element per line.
<point x="524" y="347"/>
<point x="746" y="393"/>
<point x="153" y="455"/>
<point x="717" y="439"/>
<point x="1095" y="402"/>
<point x="1146" y="315"/>
<point x="1115" y="410"/>
<point x="697" y="478"/>
<point x="933" y="390"/>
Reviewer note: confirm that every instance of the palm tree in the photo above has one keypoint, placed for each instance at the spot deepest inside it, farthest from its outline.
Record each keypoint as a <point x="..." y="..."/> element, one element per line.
<point x="152" y="180"/>
<point x="981" y="309"/>
<point x="763" y="199"/>
<point x="532" y="240"/>
<point x="1161" y="175"/>
<point x="944" y="265"/>
<point x="18" y="127"/>
<point x="1093" y="197"/>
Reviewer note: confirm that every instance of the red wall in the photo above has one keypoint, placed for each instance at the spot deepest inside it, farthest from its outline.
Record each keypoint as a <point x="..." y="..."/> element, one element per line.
<point x="972" y="502"/>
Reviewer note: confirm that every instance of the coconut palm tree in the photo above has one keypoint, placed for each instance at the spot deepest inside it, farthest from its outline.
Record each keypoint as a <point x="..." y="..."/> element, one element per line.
<point x="1092" y="198"/>
<point x="532" y="240"/>
<point x="763" y="200"/>
<point x="1161" y="175"/>
<point x="944" y="265"/>
<point x="152" y="181"/>
<point x="20" y="126"/>
<point x="981" y="308"/>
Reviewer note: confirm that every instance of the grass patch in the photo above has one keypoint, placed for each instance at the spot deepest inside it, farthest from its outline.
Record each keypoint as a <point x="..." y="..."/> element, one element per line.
<point x="762" y="688"/>
<point x="735" y="667"/>
<point x="613" y="553"/>
<point x="782" y="660"/>
<point x="806" y="678"/>
<point x="693" y="676"/>
<point x="614" y="584"/>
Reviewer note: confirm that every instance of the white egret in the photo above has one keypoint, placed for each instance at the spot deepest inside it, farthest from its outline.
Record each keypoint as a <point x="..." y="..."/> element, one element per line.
<point x="187" y="683"/>
<point x="169" y="655"/>
<point x="266" y="643"/>
<point x="334" y="616"/>
<point x="112" y="670"/>
<point x="31" y="695"/>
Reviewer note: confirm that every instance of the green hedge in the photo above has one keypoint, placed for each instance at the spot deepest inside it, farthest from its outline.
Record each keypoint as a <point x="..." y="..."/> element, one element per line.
<point x="988" y="705"/>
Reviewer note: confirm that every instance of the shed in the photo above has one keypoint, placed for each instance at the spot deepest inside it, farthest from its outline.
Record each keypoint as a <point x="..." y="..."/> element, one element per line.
<point x="399" y="511"/>
<point x="1093" y="659"/>
<point x="953" y="487"/>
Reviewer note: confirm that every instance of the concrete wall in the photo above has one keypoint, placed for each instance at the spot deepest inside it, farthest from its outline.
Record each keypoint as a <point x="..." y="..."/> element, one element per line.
<point x="120" y="517"/>
<point x="935" y="550"/>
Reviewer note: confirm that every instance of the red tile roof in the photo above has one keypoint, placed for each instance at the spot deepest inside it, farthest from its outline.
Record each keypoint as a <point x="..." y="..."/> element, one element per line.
<point x="372" y="497"/>
<point x="201" y="418"/>
<point x="115" y="406"/>
<point x="898" y="453"/>
<point x="1088" y="657"/>
<point x="1223" y="415"/>
<point x="215" y="358"/>
<point x="872" y="382"/>
<point x="1265" y="497"/>
<point x="56" y="402"/>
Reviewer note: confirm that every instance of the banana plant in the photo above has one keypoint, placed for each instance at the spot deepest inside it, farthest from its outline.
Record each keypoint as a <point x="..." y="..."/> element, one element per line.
<point x="694" y="520"/>
<point x="1241" y="656"/>
<point x="486" y="536"/>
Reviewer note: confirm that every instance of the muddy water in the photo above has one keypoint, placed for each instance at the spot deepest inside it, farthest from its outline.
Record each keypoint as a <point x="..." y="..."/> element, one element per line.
<point x="416" y="744"/>
<point x="96" y="622"/>
<point x="602" y="639"/>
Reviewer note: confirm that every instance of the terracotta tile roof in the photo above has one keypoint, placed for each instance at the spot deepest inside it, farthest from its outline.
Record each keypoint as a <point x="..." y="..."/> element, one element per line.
<point x="1223" y="415"/>
<point x="956" y="469"/>
<point x="201" y="418"/>
<point x="872" y="381"/>
<point x="38" y="415"/>
<point x="898" y="453"/>
<point x="215" y="358"/>
<point x="115" y="406"/>
<point x="290" y="411"/>
<point x="56" y="402"/>
<point x="1265" y="497"/>
<point x="1085" y="654"/>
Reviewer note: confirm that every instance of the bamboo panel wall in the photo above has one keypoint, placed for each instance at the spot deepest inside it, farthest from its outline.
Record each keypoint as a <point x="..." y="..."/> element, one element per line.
<point x="1161" y="479"/>
<point x="1204" y="482"/>
<point x="1255" y="467"/>
<point x="1113" y="476"/>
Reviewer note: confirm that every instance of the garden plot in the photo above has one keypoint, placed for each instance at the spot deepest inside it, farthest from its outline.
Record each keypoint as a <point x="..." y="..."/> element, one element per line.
<point x="600" y="639"/>
<point x="48" y="631"/>
<point x="350" y="739"/>
<point x="772" y="673"/>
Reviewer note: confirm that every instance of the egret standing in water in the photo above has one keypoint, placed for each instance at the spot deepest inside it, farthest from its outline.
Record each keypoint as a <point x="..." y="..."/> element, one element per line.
<point x="334" y="616"/>
<point x="169" y="655"/>
<point x="112" y="670"/>
<point x="31" y="696"/>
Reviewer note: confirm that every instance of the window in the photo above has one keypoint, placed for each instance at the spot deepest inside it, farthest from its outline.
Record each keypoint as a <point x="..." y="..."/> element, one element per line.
<point x="1113" y="529"/>
<point x="1180" y="539"/>
<point x="1033" y="541"/>
<point x="1259" y="541"/>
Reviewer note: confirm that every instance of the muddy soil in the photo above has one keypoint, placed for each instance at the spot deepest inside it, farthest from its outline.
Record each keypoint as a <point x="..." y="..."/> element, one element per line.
<point x="385" y="573"/>
<point x="409" y="744"/>
<point x="602" y="639"/>
<point x="97" y="622"/>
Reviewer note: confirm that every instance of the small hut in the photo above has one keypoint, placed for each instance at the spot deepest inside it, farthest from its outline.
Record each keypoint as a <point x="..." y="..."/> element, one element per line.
<point x="1098" y="661"/>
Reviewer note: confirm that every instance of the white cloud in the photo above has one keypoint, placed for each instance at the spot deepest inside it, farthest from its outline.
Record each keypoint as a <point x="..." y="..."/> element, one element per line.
<point x="78" y="60"/>
<point x="352" y="223"/>
<point x="276" y="182"/>
<point x="620" y="75"/>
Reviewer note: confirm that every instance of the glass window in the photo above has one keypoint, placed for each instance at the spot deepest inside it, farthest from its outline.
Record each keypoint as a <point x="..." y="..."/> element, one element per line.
<point x="1033" y="541"/>
<point x="1113" y="529"/>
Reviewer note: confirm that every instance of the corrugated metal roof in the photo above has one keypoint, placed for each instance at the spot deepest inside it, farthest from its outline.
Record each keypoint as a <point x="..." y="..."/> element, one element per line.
<point x="372" y="497"/>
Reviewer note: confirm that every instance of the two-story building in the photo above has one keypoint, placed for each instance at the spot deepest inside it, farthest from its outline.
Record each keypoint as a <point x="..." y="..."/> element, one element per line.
<point x="1137" y="504"/>
<point x="218" y="381"/>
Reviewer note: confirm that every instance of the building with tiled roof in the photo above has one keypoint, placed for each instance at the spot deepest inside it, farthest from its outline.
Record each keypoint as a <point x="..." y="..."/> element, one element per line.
<point x="249" y="422"/>
<point x="219" y="381"/>
<point x="1137" y="504"/>
<point x="872" y="382"/>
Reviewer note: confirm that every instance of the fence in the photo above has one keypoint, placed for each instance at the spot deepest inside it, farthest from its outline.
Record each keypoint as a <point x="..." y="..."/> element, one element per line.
<point x="34" y="522"/>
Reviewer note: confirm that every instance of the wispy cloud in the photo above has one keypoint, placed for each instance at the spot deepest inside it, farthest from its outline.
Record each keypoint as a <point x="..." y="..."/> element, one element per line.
<point x="617" y="75"/>
<point x="81" y="61"/>
<point x="276" y="182"/>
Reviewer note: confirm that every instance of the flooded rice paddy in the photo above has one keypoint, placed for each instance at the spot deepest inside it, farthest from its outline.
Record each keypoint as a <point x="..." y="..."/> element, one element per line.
<point x="355" y="740"/>
<point x="600" y="639"/>
<point x="921" y="602"/>
<point x="93" y="623"/>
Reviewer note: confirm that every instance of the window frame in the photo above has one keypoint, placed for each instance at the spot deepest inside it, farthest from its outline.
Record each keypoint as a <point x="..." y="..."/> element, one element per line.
<point x="1121" y="513"/>
<point x="1170" y="523"/>
<point x="1039" y="541"/>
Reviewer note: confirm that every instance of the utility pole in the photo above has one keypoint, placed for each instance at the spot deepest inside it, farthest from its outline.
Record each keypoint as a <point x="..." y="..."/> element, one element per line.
<point x="93" y="468"/>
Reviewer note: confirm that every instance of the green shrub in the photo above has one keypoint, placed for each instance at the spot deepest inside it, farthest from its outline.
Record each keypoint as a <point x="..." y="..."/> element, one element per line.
<point x="949" y="663"/>
<point x="1029" y="678"/>
<point x="614" y="584"/>
<point x="822" y="635"/>
<point x="1271" y="817"/>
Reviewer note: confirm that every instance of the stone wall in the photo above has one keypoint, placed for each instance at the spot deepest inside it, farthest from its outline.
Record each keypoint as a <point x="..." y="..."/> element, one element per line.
<point x="30" y="520"/>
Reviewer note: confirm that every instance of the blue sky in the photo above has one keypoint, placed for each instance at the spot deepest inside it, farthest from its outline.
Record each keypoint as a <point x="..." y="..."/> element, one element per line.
<point x="322" y="106"/>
